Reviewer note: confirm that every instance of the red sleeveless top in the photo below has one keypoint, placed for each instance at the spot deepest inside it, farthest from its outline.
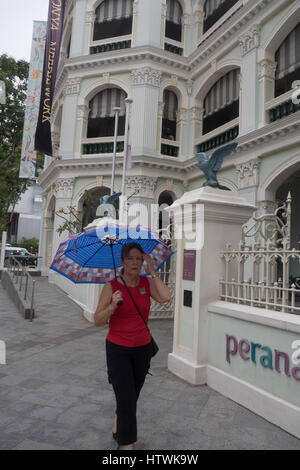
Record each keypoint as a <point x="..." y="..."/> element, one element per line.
<point x="126" y="327"/>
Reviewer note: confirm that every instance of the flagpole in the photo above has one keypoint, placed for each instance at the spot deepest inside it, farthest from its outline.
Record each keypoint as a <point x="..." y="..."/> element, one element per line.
<point x="128" y="102"/>
<point x="117" y="110"/>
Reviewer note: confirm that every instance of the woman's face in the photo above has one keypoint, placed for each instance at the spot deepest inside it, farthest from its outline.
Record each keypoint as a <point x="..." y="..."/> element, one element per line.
<point x="133" y="261"/>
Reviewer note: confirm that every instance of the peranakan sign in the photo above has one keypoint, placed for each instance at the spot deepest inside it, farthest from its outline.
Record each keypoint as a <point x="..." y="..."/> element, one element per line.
<point x="54" y="34"/>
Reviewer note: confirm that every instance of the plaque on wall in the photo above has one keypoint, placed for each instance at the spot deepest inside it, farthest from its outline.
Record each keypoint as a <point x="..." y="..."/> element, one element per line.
<point x="189" y="263"/>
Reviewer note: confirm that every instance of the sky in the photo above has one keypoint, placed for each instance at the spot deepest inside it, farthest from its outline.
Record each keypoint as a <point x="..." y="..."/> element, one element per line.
<point x="16" y="25"/>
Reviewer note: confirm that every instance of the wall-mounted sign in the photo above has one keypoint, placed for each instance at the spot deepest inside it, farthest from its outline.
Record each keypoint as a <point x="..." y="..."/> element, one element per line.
<point x="252" y="351"/>
<point x="189" y="264"/>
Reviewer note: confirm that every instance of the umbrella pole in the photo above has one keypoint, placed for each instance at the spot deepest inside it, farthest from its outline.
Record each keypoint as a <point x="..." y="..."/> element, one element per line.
<point x="112" y="254"/>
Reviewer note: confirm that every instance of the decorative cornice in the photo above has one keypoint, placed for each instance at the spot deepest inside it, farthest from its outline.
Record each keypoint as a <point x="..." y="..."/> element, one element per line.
<point x="248" y="173"/>
<point x="251" y="39"/>
<point x="146" y="76"/>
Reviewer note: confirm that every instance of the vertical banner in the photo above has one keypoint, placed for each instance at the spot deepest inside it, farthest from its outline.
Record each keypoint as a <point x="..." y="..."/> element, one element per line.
<point x="28" y="155"/>
<point x="53" y="40"/>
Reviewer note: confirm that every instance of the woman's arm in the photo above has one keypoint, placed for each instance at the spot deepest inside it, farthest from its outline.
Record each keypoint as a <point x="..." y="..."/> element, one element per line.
<point x="106" y="305"/>
<point x="158" y="289"/>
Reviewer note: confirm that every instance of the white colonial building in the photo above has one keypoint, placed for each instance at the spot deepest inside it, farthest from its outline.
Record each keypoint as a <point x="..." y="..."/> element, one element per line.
<point x="201" y="73"/>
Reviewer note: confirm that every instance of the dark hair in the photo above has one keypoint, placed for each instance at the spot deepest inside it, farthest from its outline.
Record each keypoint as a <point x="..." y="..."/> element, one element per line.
<point x="129" y="246"/>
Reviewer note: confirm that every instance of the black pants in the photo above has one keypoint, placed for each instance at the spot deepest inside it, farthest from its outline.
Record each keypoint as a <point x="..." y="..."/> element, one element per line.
<point x="127" y="370"/>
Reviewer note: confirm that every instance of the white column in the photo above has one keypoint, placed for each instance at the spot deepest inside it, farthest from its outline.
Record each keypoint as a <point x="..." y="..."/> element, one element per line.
<point x="69" y="117"/>
<point x="212" y="209"/>
<point x="145" y="95"/>
<point x="249" y="107"/>
<point x="266" y="77"/>
<point x="140" y="205"/>
<point x="148" y="23"/>
<point x="78" y="29"/>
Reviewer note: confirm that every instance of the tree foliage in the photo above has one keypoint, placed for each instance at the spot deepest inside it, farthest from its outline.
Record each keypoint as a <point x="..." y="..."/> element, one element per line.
<point x="14" y="73"/>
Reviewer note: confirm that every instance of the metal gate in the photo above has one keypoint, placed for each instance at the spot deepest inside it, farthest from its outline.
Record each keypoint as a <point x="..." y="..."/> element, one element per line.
<point x="167" y="273"/>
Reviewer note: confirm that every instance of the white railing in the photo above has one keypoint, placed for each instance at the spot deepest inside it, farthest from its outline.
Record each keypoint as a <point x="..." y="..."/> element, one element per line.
<point x="167" y="273"/>
<point x="258" y="273"/>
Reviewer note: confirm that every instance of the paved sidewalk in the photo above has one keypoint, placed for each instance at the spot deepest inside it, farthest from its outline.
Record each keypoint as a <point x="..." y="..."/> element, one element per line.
<point x="54" y="392"/>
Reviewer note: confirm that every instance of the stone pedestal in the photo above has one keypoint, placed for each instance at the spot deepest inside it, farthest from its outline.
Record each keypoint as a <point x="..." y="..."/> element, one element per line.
<point x="212" y="217"/>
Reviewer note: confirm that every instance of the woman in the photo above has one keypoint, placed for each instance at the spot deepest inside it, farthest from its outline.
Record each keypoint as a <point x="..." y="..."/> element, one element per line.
<point x="128" y="342"/>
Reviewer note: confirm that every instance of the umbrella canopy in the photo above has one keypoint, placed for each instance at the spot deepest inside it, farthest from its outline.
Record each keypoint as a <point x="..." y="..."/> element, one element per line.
<point x="94" y="256"/>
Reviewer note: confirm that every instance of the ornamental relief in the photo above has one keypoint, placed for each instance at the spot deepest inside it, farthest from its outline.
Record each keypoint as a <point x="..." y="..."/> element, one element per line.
<point x="64" y="188"/>
<point x="144" y="185"/>
<point x="251" y="39"/>
<point x="146" y="76"/>
<point x="248" y="174"/>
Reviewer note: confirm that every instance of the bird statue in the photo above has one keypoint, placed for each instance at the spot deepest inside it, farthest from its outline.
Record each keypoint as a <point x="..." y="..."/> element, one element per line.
<point x="210" y="166"/>
<point x="109" y="198"/>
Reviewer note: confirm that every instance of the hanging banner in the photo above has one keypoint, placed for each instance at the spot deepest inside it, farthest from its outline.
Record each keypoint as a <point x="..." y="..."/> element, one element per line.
<point x="54" y="33"/>
<point x="32" y="105"/>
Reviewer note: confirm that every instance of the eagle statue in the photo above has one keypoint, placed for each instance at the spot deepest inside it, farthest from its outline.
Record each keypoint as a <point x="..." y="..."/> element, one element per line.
<point x="210" y="166"/>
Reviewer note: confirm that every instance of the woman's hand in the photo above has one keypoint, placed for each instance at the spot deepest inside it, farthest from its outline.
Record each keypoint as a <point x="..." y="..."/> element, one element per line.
<point x="149" y="262"/>
<point x="116" y="297"/>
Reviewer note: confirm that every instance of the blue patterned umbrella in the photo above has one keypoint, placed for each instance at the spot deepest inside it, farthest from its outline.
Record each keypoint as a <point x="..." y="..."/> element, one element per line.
<point x="94" y="256"/>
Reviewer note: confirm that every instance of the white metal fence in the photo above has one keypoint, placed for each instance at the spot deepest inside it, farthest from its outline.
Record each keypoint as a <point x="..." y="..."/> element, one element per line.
<point x="258" y="273"/>
<point x="168" y="274"/>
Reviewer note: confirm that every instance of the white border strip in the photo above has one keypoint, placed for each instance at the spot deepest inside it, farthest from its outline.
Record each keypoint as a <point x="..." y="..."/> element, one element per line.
<point x="266" y="405"/>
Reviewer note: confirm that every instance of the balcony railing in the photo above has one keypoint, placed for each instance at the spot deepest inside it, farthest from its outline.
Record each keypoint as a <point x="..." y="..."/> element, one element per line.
<point x="220" y="139"/>
<point x="94" y="148"/>
<point x="174" y="49"/>
<point x="169" y="148"/>
<point x="112" y="46"/>
<point x="282" y="110"/>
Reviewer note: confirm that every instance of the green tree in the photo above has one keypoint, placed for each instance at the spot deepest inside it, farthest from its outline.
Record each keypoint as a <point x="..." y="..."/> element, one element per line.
<point x="14" y="73"/>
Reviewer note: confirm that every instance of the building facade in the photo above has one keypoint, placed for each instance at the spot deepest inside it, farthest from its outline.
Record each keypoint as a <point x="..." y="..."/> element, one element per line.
<point x="200" y="74"/>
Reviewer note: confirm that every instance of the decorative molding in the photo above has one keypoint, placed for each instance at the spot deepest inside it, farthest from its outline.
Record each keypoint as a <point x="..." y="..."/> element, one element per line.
<point x="145" y="185"/>
<point x="90" y="17"/>
<point x="106" y="78"/>
<point x="82" y="111"/>
<point x="189" y="87"/>
<point x="251" y="39"/>
<point x="267" y="69"/>
<point x="197" y="114"/>
<point x="174" y="81"/>
<point x="99" y="181"/>
<point x="248" y="173"/>
<point x="146" y="76"/>
<point x="72" y="86"/>
<point x="181" y="115"/>
<point x="64" y="188"/>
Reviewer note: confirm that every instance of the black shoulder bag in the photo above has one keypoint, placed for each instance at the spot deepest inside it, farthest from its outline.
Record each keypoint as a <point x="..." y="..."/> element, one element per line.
<point x="155" y="348"/>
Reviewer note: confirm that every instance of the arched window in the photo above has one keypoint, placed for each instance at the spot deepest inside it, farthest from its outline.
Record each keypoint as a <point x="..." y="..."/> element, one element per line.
<point x="221" y="103"/>
<point x="113" y="18"/>
<point x="287" y="57"/>
<point x="174" y="20"/>
<point x="169" y="115"/>
<point x="214" y="10"/>
<point x="101" y="122"/>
